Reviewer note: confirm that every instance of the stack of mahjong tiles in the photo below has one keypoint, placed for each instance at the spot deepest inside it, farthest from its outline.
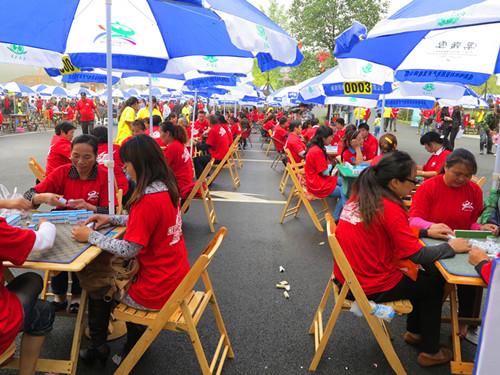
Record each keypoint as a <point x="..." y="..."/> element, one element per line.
<point x="61" y="217"/>
<point x="14" y="220"/>
<point x="491" y="246"/>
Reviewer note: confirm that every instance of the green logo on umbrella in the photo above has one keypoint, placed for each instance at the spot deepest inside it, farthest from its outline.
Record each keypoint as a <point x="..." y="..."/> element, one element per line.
<point x="17" y="49"/>
<point x="211" y="59"/>
<point x="261" y="31"/>
<point x="429" y="87"/>
<point x="367" y="68"/>
<point x="450" y="20"/>
<point x="353" y="99"/>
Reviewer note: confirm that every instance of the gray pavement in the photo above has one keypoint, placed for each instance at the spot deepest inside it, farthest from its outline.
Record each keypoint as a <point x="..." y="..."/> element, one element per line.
<point x="268" y="332"/>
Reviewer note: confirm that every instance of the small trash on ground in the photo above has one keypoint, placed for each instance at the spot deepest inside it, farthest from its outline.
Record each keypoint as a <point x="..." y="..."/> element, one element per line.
<point x="375" y="365"/>
<point x="285" y="293"/>
<point x="322" y="243"/>
<point x="282" y="269"/>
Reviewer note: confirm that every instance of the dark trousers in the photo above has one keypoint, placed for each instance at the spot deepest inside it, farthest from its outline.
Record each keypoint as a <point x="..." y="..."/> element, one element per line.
<point x="87" y="126"/>
<point x="38" y="315"/>
<point x="59" y="284"/>
<point x="200" y="162"/>
<point x="426" y="296"/>
<point x="452" y="132"/>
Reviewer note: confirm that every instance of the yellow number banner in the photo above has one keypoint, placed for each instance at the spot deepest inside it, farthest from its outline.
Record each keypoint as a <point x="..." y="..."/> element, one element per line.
<point x="357" y="88"/>
<point x="68" y="67"/>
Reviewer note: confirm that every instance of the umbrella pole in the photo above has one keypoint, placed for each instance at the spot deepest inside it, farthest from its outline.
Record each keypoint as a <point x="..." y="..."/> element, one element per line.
<point x="194" y="114"/>
<point x="150" y="106"/>
<point x="382" y="120"/>
<point x="496" y="171"/>
<point x="109" y="87"/>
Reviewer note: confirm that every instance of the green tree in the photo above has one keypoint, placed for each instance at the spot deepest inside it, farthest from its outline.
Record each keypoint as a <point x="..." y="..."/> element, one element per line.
<point x="278" y="13"/>
<point x="317" y="22"/>
<point x="490" y="87"/>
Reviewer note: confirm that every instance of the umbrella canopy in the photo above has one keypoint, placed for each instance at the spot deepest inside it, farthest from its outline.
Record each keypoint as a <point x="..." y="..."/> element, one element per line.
<point x="117" y="93"/>
<point x="470" y="99"/>
<point x="212" y="36"/>
<point x="78" y="91"/>
<point x="55" y="91"/>
<point x="427" y="41"/>
<point x="18" y="88"/>
<point x="397" y="99"/>
<point x="38" y="88"/>
<point x="84" y="76"/>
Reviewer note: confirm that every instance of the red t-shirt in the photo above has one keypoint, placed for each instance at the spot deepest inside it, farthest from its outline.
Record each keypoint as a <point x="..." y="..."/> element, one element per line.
<point x="15" y="246"/>
<point x="486" y="270"/>
<point x="370" y="147"/>
<point x="59" y="154"/>
<point x="317" y="184"/>
<point x="70" y="113"/>
<point x="201" y="126"/>
<point x="102" y="156"/>
<point x="372" y="251"/>
<point x="268" y="125"/>
<point x="376" y="159"/>
<point x="93" y="191"/>
<point x="1" y="118"/>
<point x="178" y="158"/>
<point x="337" y="137"/>
<point x="436" y="202"/>
<point x="310" y="133"/>
<point x="156" y="136"/>
<point x="279" y="137"/>
<point x="436" y="162"/>
<point x="86" y="108"/>
<point x="229" y="135"/>
<point x="295" y="145"/>
<point x="156" y="225"/>
<point x="54" y="139"/>
<point x="217" y="139"/>
<point x="349" y="155"/>
<point x="235" y="129"/>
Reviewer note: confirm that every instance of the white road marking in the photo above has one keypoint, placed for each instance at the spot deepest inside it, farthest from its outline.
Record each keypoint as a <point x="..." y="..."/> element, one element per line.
<point x="233" y="196"/>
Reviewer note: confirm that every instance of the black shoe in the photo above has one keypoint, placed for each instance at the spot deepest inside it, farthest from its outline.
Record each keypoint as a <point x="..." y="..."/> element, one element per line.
<point x="490" y="153"/>
<point x="73" y="308"/>
<point x="60" y="306"/>
<point x="92" y="354"/>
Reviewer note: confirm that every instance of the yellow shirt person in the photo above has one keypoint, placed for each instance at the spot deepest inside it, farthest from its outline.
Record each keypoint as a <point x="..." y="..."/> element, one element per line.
<point x="144" y="113"/>
<point x="125" y="125"/>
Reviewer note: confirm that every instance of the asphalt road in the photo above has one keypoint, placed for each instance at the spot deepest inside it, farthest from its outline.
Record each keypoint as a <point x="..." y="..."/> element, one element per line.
<point x="268" y="332"/>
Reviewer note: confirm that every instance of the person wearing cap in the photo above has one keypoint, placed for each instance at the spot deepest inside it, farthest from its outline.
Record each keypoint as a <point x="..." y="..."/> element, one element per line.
<point x="86" y="109"/>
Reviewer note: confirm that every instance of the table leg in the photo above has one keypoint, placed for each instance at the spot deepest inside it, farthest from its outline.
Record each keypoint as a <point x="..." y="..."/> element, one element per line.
<point x="77" y="336"/>
<point x="456" y="365"/>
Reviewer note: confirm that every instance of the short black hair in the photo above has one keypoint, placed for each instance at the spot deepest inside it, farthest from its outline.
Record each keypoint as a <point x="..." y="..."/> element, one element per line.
<point x="65" y="127"/>
<point x="364" y="125"/>
<point x="462" y="156"/>
<point x="88" y="139"/>
<point x="156" y="120"/>
<point x="294" y="124"/>
<point x="340" y="121"/>
<point x="430" y="137"/>
<point x="101" y="133"/>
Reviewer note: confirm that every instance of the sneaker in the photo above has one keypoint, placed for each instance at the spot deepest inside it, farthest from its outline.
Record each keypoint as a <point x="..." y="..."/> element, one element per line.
<point x="481" y="152"/>
<point x="443" y="356"/>
<point x="472" y="335"/>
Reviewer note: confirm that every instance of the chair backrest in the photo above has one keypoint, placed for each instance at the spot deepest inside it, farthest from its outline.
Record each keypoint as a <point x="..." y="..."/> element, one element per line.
<point x="198" y="185"/>
<point x="295" y="164"/>
<point x="481" y="181"/>
<point x="223" y="162"/>
<point x="36" y="168"/>
<point x="187" y="284"/>
<point x="340" y="259"/>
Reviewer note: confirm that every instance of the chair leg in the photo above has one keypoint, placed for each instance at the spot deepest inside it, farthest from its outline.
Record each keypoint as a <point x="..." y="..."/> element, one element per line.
<point x="195" y="340"/>
<point x="322" y="305"/>
<point x="329" y="328"/>
<point x="284" y="181"/>
<point x="312" y="214"/>
<point x="295" y="209"/>
<point x="209" y="212"/>
<point x="268" y="150"/>
<point x="384" y="342"/>
<point x="234" y="174"/>
<point x="46" y="278"/>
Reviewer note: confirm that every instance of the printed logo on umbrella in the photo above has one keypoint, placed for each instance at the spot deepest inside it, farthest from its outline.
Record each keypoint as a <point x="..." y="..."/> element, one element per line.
<point x="453" y="20"/>
<point x="118" y="31"/>
<point x="428" y="88"/>
<point x="261" y="31"/>
<point x="367" y="68"/>
<point x="18" y="52"/>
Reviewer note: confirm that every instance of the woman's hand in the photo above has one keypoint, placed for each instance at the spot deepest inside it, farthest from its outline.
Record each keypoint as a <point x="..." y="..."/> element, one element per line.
<point x="81" y="233"/>
<point x="48" y="198"/>
<point x="476" y="256"/>
<point x="439" y="231"/>
<point x="17" y="203"/>
<point x="78" y="204"/>
<point x="99" y="220"/>
<point x="460" y="245"/>
<point x="490" y="227"/>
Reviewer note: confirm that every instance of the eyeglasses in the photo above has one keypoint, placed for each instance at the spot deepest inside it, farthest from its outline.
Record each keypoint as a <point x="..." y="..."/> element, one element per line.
<point x="414" y="182"/>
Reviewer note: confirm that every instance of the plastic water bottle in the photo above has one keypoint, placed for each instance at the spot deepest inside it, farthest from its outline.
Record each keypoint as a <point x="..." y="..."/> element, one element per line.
<point x="380" y="311"/>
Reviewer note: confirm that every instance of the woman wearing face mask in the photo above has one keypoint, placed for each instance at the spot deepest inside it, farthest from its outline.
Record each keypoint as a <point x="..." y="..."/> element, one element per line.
<point x="374" y="234"/>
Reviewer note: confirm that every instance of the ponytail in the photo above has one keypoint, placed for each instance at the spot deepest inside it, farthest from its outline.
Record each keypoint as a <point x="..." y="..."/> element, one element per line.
<point x="318" y="140"/>
<point x="177" y="132"/>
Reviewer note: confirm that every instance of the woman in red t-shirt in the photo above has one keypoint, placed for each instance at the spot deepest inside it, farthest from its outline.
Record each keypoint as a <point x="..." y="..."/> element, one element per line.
<point x="20" y="308"/>
<point x="177" y="156"/>
<point x="375" y="236"/>
<point x="438" y="146"/>
<point x="387" y="143"/>
<point x="318" y="170"/>
<point x="154" y="236"/>
<point x="352" y="150"/>
<point x="449" y="202"/>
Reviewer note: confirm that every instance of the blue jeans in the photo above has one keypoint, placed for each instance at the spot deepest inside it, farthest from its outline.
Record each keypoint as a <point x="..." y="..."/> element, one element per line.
<point x="337" y="193"/>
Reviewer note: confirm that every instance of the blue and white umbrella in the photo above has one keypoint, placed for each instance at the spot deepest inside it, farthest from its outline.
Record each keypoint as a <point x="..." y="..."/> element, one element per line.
<point x="117" y="93"/>
<point x="84" y="76"/>
<point x="79" y="90"/>
<point x="18" y="88"/>
<point x="208" y="35"/>
<point x="55" y="91"/>
<point x="38" y="88"/>
<point x="427" y="41"/>
<point x="470" y="99"/>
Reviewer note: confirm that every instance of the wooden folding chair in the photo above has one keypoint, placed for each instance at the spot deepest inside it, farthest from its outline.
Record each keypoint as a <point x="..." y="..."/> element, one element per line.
<point x="228" y="163"/>
<point x="286" y="176"/>
<point x="279" y="154"/>
<point x="181" y="313"/>
<point x="480" y="181"/>
<point x="377" y="325"/>
<point x="236" y="157"/>
<point x="268" y="148"/>
<point x="299" y="196"/>
<point x="36" y="168"/>
<point x="206" y="199"/>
